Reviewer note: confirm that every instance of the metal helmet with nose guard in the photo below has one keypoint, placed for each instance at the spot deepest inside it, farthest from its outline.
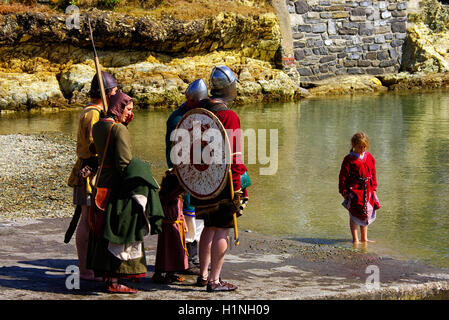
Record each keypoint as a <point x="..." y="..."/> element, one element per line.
<point x="196" y="91"/>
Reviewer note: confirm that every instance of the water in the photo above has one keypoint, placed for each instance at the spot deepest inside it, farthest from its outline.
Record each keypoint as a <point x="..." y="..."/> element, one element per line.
<point x="409" y="139"/>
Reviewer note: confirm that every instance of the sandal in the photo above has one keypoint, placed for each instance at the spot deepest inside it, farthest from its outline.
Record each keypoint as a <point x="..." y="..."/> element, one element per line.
<point x="221" y="286"/>
<point x="200" y="282"/>
<point x="159" y="278"/>
<point x="174" y="277"/>
<point x="120" y="288"/>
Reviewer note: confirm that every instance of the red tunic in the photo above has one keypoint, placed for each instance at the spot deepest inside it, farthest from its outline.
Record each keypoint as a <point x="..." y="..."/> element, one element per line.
<point x="231" y="121"/>
<point x="357" y="179"/>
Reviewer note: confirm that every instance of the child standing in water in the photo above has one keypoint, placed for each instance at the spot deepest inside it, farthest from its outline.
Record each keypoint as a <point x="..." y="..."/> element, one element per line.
<point x="358" y="185"/>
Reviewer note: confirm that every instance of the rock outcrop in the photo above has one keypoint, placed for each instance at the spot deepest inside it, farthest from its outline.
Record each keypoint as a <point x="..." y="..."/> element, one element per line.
<point x="20" y="91"/>
<point x="256" y="36"/>
<point x="345" y="85"/>
<point x="153" y="61"/>
<point x="425" y="59"/>
<point x="426" y="51"/>
<point x="418" y="81"/>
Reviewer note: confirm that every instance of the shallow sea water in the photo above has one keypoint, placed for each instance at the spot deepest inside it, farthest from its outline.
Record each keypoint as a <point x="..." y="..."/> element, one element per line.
<point x="409" y="136"/>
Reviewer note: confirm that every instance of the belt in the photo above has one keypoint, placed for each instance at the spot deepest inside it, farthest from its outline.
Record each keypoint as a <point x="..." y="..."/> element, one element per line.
<point x="180" y="224"/>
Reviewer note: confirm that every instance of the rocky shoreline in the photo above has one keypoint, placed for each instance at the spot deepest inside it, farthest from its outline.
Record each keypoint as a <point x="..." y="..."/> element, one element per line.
<point x="33" y="174"/>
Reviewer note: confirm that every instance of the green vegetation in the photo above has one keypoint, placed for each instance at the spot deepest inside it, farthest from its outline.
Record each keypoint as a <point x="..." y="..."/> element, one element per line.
<point x="178" y="9"/>
<point x="433" y="14"/>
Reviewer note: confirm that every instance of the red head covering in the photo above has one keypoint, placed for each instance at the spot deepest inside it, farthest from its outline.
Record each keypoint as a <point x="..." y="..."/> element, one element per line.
<point x="117" y="103"/>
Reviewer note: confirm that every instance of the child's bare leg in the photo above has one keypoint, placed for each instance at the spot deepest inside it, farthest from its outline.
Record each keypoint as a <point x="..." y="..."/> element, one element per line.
<point x="364" y="234"/>
<point x="353" y="227"/>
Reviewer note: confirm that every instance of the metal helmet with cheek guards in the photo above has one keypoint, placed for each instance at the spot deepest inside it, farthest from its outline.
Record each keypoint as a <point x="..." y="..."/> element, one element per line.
<point x="196" y="91"/>
<point x="221" y="77"/>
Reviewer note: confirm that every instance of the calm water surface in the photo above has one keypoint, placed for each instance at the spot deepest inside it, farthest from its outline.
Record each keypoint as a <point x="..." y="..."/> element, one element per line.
<point x="409" y="140"/>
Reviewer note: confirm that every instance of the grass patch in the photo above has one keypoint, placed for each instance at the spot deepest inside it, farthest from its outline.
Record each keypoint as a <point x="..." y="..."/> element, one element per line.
<point x="18" y="7"/>
<point x="178" y="9"/>
<point x="192" y="9"/>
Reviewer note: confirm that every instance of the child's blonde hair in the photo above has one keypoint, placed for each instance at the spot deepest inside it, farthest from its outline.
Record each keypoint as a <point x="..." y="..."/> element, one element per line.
<point x="360" y="139"/>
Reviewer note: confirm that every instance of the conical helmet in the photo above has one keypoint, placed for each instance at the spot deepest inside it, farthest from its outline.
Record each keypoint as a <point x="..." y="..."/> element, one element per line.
<point x="221" y="77"/>
<point x="196" y="91"/>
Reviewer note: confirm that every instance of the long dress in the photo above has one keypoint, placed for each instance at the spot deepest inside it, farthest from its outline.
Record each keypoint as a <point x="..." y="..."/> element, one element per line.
<point x="118" y="157"/>
<point x="171" y="254"/>
<point x="358" y="181"/>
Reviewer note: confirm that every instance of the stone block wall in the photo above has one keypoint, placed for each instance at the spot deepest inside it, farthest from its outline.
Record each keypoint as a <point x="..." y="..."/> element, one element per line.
<point x="337" y="37"/>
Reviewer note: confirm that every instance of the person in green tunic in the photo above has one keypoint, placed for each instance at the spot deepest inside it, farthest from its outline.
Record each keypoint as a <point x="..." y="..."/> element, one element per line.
<point x="132" y="208"/>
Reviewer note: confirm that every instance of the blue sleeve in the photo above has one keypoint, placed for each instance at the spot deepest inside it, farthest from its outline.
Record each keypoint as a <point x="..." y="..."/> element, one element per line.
<point x="172" y="122"/>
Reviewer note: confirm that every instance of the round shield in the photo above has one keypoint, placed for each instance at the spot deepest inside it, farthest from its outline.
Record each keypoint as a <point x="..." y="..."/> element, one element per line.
<point x="200" y="154"/>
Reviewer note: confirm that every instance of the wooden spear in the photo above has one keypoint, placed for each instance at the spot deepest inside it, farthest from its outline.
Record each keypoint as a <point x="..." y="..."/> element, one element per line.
<point x="98" y="69"/>
<point x="234" y="215"/>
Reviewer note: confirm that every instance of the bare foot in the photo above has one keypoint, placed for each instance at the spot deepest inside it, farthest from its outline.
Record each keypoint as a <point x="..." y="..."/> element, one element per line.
<point x="368" y="241"/>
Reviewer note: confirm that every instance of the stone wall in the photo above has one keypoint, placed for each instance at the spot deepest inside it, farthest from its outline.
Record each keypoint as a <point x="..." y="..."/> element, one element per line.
<point x="337" y="37"/>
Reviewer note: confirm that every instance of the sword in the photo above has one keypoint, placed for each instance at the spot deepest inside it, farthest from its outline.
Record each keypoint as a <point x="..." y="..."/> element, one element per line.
<point x="72" y="227"/>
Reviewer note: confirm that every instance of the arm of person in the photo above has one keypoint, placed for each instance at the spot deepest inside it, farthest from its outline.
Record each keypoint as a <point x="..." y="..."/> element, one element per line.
<point x="343" y="178"/>
<point x="90" y="118"/>
<point x="231" y="123"/>
<point x="122" y="151"/>
<point x="168" y="145"/>
<point x="374" y="177"/>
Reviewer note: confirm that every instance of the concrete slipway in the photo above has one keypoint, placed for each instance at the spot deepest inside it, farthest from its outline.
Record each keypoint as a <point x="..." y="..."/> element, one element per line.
<point x="33" y="262"/>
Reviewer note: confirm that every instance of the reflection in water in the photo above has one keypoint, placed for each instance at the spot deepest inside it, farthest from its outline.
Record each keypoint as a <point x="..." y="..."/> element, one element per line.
<point x="409" y="139"/>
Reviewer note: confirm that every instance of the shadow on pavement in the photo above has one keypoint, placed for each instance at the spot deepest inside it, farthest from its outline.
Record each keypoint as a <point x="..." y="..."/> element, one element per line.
<point x="49" y="275"/>
<point x="44" y="275"/>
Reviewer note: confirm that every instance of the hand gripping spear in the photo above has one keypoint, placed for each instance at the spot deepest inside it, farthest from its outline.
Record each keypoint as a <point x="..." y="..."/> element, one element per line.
<point x="97" y="68"/>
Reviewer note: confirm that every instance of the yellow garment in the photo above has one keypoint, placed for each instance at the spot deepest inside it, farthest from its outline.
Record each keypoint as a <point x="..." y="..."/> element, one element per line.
<point x="85" y="147"/>
<point x="74" y="178"/>
<point x="180" y="224"/>
<point x="85" y="144"/>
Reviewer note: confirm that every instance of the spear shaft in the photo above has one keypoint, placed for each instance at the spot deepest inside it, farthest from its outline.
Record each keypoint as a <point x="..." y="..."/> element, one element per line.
<point x="98" y="69"/>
